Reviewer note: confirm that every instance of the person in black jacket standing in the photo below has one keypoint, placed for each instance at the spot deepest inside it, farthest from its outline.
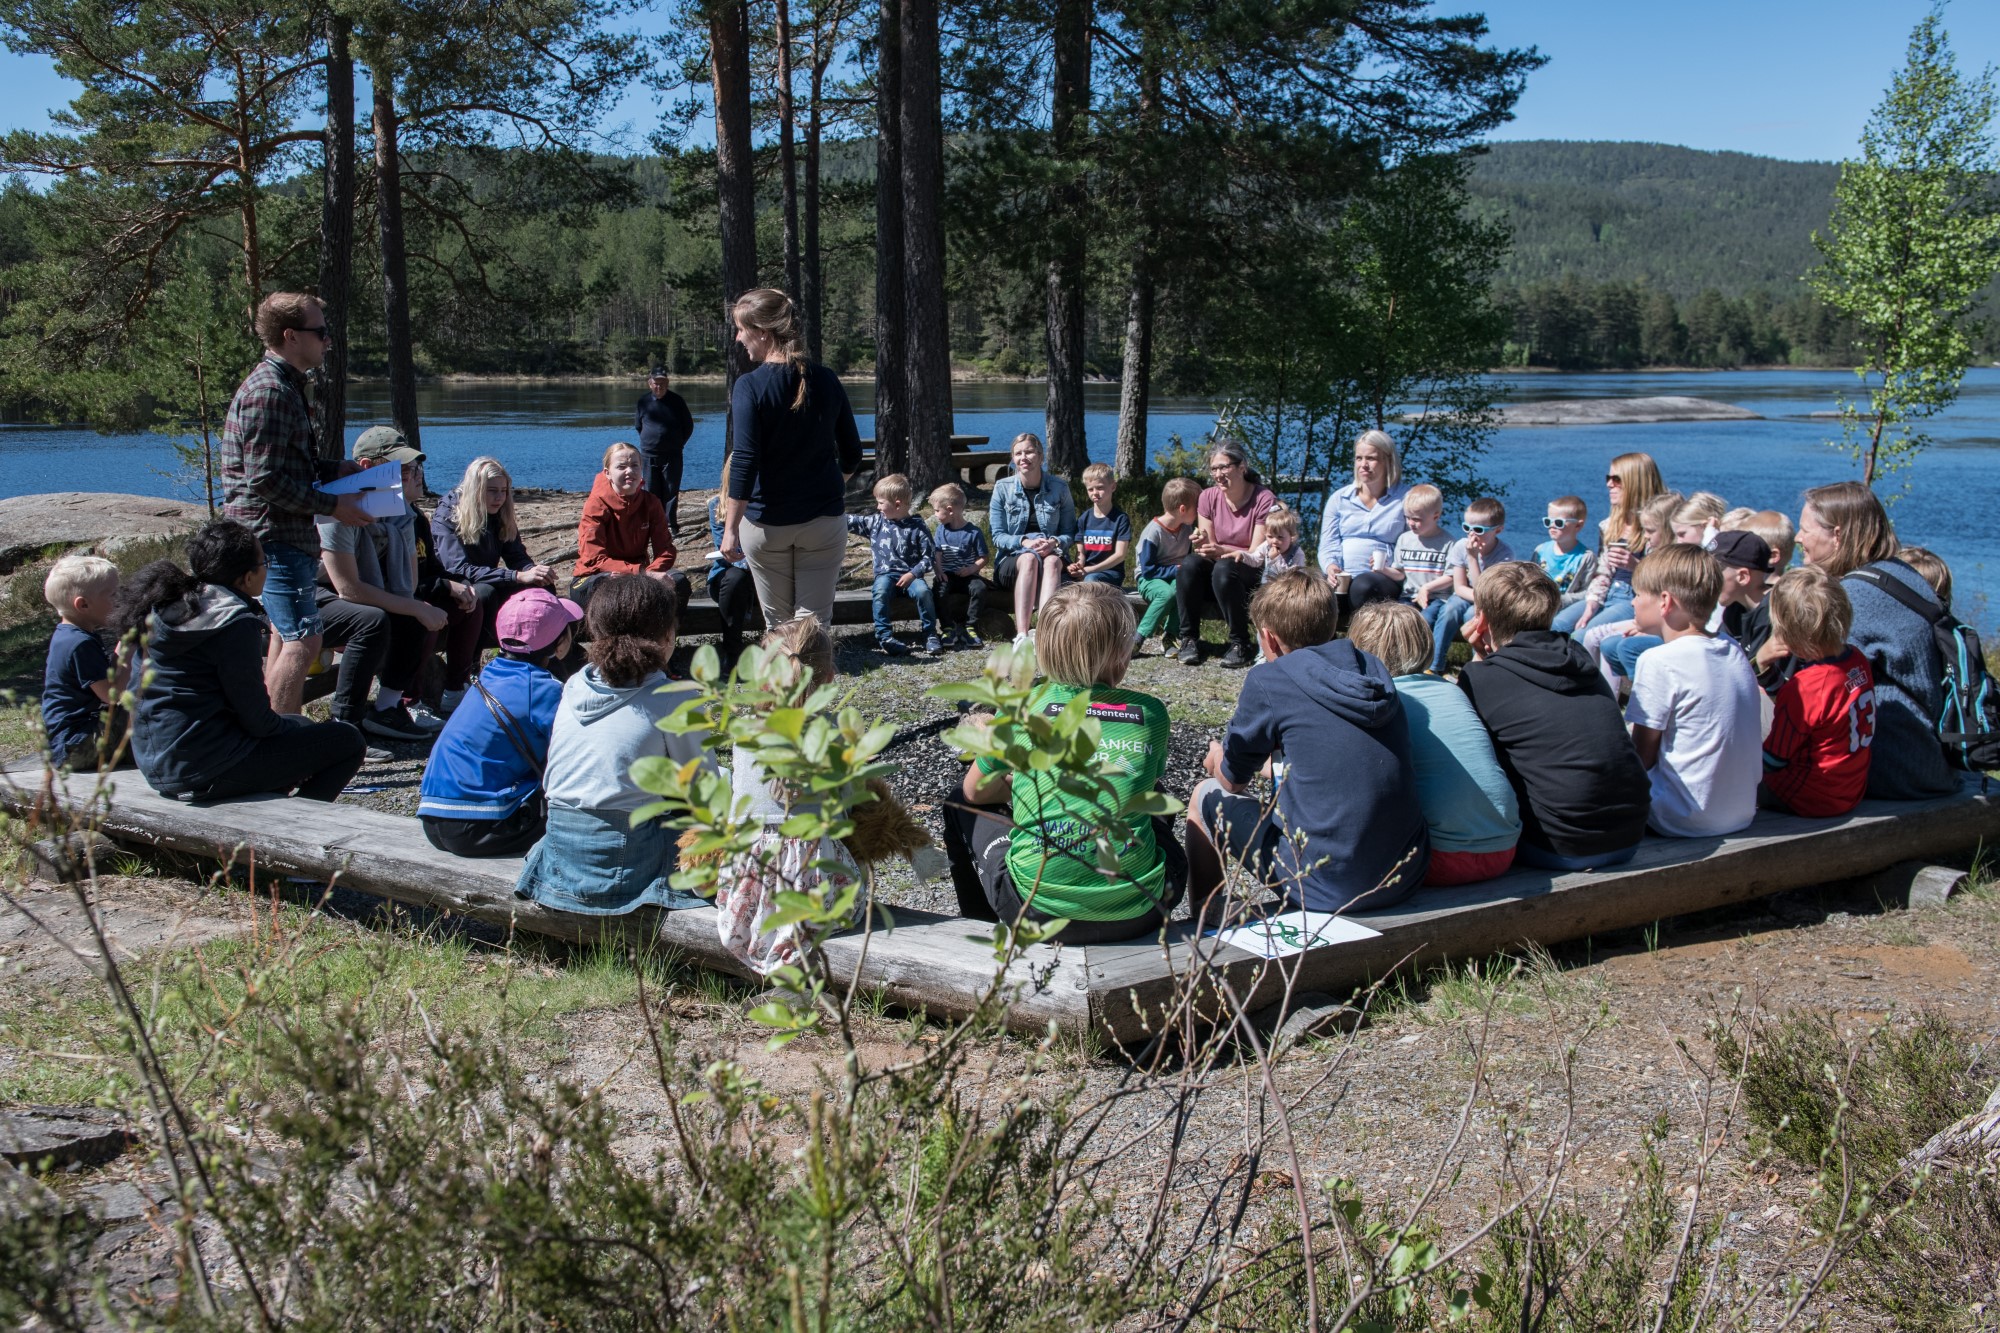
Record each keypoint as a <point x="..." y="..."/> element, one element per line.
<point x="664" y="425"/>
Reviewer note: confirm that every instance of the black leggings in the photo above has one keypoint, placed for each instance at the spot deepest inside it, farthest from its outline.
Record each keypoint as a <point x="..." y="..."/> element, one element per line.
<point x="1373" y="586"/>
<point x="735" y="595"/>
<point x="975" y="842"/>
<point x="316" y="758"/>
<point x="512" y="836"/>
<point x="1228" y="582"/>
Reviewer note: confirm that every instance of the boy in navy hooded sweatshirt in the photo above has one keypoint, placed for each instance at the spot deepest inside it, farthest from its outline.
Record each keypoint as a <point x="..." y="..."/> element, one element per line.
<point x="1344" y="830"/>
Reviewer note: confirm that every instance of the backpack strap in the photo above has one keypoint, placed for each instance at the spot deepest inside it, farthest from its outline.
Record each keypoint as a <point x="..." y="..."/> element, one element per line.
<point x="1931" y="611"/>
<point x="509" y="728"/>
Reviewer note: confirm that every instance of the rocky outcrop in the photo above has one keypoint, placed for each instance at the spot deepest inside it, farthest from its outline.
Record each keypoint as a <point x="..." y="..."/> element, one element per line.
<point x="34" y="525"/>
<point x="1620" y="411"/>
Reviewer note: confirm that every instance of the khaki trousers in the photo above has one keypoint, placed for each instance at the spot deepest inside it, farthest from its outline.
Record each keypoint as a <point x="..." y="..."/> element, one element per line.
<point x="795" y="566"/>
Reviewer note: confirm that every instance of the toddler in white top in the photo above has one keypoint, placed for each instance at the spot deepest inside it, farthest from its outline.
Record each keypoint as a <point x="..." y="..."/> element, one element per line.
<point x="1279" y="552"/>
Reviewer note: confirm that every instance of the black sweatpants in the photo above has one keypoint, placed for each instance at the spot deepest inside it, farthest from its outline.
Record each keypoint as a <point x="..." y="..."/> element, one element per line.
<point x="969" y="586"/>
<point x="1372" y="586"/>
<point x="735" y="594"/>
<point x="362" y="634"/>
<point x="512" y="836"/>
<point x="315" y="758"/>
<point x="1229" y="582"/>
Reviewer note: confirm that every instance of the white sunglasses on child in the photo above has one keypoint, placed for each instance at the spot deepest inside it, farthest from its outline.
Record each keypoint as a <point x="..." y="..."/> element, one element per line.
<point x="1558" y="524"/>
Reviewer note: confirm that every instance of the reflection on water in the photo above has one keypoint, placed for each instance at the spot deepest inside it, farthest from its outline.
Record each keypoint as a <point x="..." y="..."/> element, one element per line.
<point x="553" y="435"/>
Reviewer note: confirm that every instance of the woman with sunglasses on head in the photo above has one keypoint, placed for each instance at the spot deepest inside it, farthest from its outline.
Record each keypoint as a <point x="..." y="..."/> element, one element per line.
<point x="1631" y="483"/>
<point x="1360" y="524"/>
<point x="1229" y="524"/>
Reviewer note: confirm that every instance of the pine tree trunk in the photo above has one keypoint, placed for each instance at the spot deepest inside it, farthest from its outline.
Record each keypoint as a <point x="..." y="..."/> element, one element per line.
<point x="927" y="333"/>
<point x="1135" y="385"/>
<point x="336" y="235"/>
<point x="729" y="45"/>
<point x="892" y="426"/>
<point x="812" y="296"/>
<point x="395" y="274"/>
<point x="1069" y="452"/>
<point x="788" y="163"/>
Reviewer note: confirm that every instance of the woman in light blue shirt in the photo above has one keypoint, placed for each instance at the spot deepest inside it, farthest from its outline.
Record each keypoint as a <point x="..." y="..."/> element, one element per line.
<point x="1033" y="518"/>
<point x="1360" y="523"/>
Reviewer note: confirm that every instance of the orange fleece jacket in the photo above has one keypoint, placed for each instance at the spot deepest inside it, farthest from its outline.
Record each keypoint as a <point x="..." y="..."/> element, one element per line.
<point x="615" y="532"/>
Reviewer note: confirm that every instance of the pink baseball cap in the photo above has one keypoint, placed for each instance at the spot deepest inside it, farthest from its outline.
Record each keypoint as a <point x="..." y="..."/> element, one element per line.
<point x="534" y="618"/>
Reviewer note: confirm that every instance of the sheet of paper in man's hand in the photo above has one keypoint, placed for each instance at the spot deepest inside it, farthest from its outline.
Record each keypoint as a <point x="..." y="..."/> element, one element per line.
<point x="1288" y="933"/>
<point x="380" y="488"/>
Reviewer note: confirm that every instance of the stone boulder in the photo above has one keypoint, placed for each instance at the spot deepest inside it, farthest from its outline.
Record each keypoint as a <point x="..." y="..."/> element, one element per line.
<point x="31" y="525"/>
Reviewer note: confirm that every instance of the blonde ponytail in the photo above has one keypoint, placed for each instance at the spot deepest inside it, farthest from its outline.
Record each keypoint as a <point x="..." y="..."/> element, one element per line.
<point x="771" y="313"/>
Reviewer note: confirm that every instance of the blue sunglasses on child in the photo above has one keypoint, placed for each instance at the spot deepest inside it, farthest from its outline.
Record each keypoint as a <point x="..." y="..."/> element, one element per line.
<point x="1480" y="529"/>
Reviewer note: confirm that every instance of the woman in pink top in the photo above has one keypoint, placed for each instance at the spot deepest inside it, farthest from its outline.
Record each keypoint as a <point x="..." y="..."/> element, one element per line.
<point x="1229" y="524"/>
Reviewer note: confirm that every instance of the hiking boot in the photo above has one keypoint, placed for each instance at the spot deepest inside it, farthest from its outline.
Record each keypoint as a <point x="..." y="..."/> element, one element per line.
<point x="893" y="647"/>
<point x="1190" y="653"/>
<point x="1238" y="655"/>
<point x="933" y="645"/>
<point x="393" y="724"/>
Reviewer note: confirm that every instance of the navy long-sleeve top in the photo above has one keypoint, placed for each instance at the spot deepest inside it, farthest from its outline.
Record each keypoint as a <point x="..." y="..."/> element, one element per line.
<point x="789" y="466"/>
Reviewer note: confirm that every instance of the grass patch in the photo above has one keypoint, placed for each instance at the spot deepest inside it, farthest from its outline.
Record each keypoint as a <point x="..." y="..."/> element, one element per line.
<point x="1850" y="1106"/>
<point x="306" y="974"/>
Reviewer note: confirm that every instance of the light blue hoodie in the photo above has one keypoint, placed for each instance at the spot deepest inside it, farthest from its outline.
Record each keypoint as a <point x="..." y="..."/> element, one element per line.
<point x="601" y="729"/>
<point x="1468" y="802"/>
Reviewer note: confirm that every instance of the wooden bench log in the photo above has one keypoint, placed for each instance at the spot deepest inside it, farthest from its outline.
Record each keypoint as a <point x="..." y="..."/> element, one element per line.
<point x="1119" y="990"/>
<point x="924" y="961"/>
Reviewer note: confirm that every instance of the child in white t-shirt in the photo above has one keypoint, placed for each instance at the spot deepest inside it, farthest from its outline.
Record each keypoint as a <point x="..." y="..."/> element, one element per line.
<point x="1695" y="713"/>
<point x="1279" y="552"/>
<point x="1423" y="553"/>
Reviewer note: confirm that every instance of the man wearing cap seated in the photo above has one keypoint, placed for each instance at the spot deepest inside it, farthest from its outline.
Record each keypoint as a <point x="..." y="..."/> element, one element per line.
<point x="664" y="425"/>
<point x="368" y="602"/>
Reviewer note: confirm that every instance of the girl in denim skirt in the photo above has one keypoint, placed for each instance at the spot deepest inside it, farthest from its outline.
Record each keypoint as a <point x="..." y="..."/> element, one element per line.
<point x="593" y="860"/>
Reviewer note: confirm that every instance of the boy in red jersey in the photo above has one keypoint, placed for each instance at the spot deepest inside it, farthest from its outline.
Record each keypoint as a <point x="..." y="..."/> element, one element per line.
<point x="1816" y="754"/>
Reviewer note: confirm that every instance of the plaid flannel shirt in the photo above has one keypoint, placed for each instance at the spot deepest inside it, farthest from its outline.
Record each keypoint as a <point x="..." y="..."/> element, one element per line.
<point x="271" y="458"/>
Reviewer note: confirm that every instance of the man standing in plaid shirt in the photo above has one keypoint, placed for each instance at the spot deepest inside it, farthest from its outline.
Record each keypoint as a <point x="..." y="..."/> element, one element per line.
<point x="272" y="458"/>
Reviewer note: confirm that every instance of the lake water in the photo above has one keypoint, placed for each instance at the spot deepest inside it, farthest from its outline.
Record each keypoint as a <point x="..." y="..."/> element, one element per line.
<point x="553" y="434"/>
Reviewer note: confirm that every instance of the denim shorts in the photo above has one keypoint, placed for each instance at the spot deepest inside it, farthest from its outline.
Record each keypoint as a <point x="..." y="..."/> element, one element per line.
<point x="291" y="593"/>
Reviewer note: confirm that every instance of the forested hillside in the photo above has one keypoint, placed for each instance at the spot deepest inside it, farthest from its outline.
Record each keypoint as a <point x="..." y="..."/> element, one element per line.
<point x="1681" y="220"/>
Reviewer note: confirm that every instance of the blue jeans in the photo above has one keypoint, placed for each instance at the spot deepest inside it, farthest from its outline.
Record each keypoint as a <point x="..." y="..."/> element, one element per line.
<point x="1114" y="577"/>
<point x="919" y="592"/>
<point x="1623" y="654"/>
<point x="1446" y="620"/>
<point x="1617" y="607"/>
<point x="291" y="593"/>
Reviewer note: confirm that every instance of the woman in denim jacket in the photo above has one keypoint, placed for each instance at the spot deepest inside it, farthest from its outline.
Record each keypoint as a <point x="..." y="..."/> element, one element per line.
<point x="1033" y="518"/>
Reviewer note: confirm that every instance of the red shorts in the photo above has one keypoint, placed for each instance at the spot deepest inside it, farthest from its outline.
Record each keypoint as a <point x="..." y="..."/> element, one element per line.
<point x="1466" y="867"/>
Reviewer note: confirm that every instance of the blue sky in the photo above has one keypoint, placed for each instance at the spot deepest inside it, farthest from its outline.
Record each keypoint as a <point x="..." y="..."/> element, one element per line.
<point x="1783" y="78"/>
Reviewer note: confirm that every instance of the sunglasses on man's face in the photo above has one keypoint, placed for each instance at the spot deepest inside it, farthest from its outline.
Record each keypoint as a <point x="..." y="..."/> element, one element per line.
<point x="1558" y="524"/>
<point x="1480" y="529"/>
<point x="318" y="331"/>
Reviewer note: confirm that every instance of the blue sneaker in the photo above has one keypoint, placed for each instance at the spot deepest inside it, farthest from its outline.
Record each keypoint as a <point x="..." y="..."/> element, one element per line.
<point x="893" y="647"/>
<point x="933" y="645"/>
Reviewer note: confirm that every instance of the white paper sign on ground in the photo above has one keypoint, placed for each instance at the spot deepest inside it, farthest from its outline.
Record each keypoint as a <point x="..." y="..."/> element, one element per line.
<point x="380" y="488"/>
<point x="1293" y="932"/>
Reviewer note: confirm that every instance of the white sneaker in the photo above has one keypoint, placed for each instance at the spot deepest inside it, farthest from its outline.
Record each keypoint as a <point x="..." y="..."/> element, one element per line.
<point x="426" y="719"/>
<point x="449" y="701"/>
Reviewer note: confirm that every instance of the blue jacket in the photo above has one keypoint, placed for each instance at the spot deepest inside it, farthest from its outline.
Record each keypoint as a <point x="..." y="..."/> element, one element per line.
<point x="1348" y="802"/>
<point x="474" y="771"/>
<point x="1007" y="511"/>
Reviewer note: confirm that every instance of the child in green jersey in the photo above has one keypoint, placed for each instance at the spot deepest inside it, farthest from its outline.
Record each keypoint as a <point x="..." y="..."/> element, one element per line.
<point x="1022" y="848"/>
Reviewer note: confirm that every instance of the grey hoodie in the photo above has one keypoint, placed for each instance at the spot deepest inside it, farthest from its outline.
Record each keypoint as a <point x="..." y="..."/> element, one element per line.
<point x="202" y="705"/>
<point x="1349" y="789"/>
<point x="601" y="729"/>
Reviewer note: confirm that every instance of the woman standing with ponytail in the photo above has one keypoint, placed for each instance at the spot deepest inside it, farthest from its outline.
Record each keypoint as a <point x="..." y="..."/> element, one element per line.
<point x="793" y="445"/>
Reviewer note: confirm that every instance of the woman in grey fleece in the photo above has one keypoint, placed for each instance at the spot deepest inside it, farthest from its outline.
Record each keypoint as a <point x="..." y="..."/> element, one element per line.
<point x="1843" y="529"/>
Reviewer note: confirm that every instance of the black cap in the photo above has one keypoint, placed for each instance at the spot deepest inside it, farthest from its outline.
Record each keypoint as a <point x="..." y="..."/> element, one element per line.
<point x="1742" y="550"/>
<point x="659" y="372"/>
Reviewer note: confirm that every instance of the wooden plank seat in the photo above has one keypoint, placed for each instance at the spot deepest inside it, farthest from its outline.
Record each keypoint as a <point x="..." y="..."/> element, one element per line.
<point x="928" y="960"/>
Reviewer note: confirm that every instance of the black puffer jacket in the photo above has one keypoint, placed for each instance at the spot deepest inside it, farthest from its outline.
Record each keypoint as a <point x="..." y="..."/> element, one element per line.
<point x="202" y="706"/>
